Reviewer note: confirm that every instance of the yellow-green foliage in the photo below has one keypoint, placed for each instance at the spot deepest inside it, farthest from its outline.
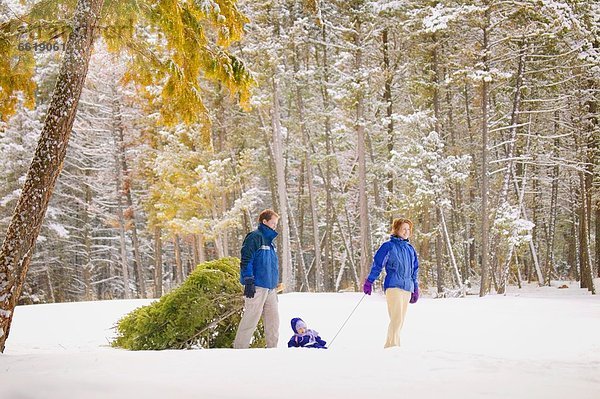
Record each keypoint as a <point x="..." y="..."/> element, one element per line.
<point x="203" y="312"/>
<point x="17" y="61"/>
<point x="172" y="44"/>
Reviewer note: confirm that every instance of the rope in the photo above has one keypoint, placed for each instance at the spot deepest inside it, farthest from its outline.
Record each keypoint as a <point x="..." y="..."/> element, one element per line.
<point x="348" y="318"/>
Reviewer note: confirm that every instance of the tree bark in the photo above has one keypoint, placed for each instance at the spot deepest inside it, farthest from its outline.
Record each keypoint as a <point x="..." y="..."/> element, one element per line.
<point x="195" y="254"/>
<point x="47" y="162"/>
<point x="329" y="216"/>
<point x="510" y="170"/>
<point x="532" y="247"/>
<point x="365" y="247"/>
<point x="129" y="215"/>
<point x="158" y="266"/>
<point x="313" y="205"/>
<point x="584" y="258"/>
<point x="511" y="249"/>
<point x="178" y="262"/>
<point x="201" y="249"/>
<point x="87" y="240"/>
<point x="572" y="240"/>
<point x="598" y="238"/>
<point x="389" y="110"/>
<point x="315" y="225"/>
<point x="469" y="225"/>
<point x="439" y="262"/>
<point x="300" y="254"/>
<point x="450" y="250"/>
<point x="550" y="239"/>
<point x="288" y="277"/>
<point x="484" y="164"/>
<point x="121" y="222"/>
<point x="225" y="232"/>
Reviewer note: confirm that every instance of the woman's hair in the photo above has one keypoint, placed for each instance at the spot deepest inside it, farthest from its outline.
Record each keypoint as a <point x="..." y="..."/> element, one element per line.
<point x="399" y="222"/>
<point x="267" y="214"/>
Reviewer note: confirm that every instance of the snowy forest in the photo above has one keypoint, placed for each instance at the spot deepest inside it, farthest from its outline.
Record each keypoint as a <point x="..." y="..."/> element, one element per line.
<point x="478" y="120"/>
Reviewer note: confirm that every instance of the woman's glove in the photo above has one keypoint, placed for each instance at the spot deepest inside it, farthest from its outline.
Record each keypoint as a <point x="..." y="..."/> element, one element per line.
<point x="414" y="297"/>
<point x="368" y="287"/>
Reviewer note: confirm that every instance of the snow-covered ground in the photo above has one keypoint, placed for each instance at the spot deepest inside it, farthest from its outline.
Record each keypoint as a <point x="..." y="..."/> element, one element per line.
<point x="531" y="343"/>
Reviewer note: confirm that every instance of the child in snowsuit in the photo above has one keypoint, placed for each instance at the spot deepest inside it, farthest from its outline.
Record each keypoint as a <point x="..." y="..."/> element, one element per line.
<point x="304" y="337"/>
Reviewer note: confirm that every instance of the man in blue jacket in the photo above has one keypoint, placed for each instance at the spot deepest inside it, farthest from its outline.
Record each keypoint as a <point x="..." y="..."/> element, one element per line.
<point x="259" y="269"/>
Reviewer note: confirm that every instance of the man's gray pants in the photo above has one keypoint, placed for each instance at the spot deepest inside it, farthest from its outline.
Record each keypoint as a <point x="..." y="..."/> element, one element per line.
<point x="264" y="303"/>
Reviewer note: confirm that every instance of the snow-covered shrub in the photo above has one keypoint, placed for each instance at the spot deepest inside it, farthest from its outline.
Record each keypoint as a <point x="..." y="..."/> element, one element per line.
<point x="203" y="312"/>
<point x="509" y="225"/>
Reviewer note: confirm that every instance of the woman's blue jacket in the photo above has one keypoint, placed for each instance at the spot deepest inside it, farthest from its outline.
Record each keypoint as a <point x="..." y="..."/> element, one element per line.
<point x="401" y="264"/>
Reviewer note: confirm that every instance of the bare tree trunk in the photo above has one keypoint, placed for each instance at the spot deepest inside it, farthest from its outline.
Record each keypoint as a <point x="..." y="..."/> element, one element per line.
<point x="219" y="247"/>
<point x="347" y="242"/>
<point x="195" y="254"/>
<point x="389" y="103"/>
<point x="505" y="270"/>
<point x="549" y="263"/>
<point x="315" y="224"/>
<point x="469" y="226"/>
<point x="376" y="195"/>
<point x="436" y="112"/>
<point x="129" y="214"/>
<point x="598" y="237"/>
<point x="178" y="262"/>
<point x="329" y="216"/>
<point x="584" y="259"/>
<point x="224" y="233"/>
<point x="535" y="211"/>
<point x="121" y="220"/>
<point x="338" y="280"/>
<point x="572" y="241"/>
<point x="518" y="267"/>
<point x="158" y="266"/>
<point x="300" y="207"/>
<point x="484" y="288"/>
<point x="272" y="168"/>
<point x="201" y="249"/>
<point x="87" y="239"/>
<point x="450" y="251"/>
<point x="439" y="263"/>
<point x="300" y="254"/>
<point x="47" y="162"/>
<point x="311" y="190"/>
<point x="349" y="249"/>
<point x="288" y="277"/>
<point x="365" y="247"/>
<point x="593" y="125"/>
<point x="532" y="247"/>
<point x="576" y="239"/>
<point x="50" y="287"/>
<point x="509" y="172"/>
<point x="457" y="215"/>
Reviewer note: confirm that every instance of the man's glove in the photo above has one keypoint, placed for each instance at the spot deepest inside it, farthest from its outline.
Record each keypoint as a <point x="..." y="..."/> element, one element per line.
<point x="249" y="288"/>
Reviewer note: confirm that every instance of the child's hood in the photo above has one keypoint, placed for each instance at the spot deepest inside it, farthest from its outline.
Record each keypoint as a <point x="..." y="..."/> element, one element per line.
<point x="297" y="323"/>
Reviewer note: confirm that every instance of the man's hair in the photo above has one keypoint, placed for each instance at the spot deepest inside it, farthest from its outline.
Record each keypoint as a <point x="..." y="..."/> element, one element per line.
<point x="399" y="222"/>
<point x="267" y="214"/>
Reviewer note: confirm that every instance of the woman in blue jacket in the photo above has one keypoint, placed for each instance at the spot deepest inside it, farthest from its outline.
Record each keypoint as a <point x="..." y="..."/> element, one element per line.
<point x="401" y="280"/>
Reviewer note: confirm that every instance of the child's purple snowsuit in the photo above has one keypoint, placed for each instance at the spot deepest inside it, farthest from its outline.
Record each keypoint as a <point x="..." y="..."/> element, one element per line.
<point x="310" y="338"/>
